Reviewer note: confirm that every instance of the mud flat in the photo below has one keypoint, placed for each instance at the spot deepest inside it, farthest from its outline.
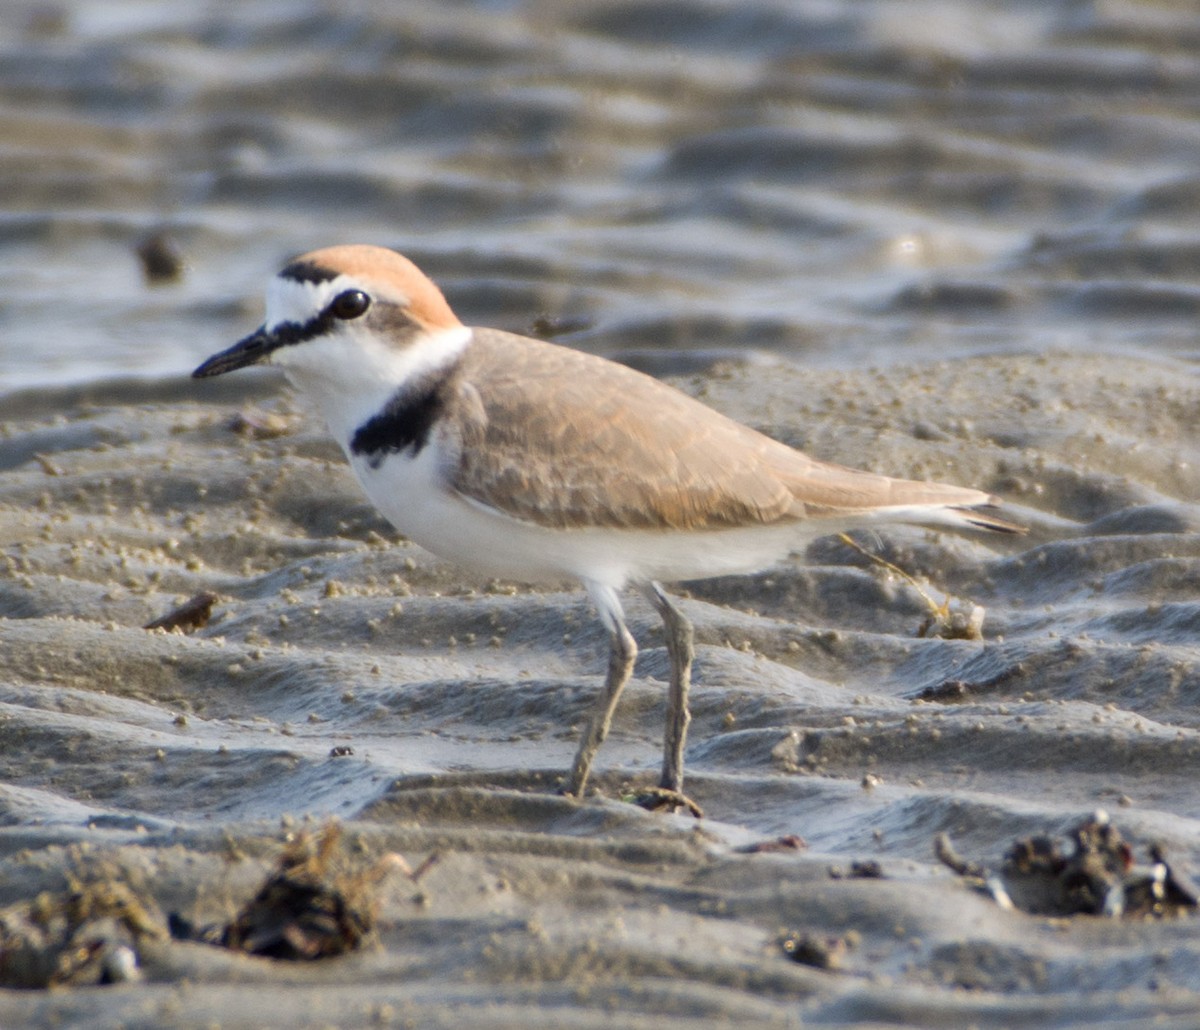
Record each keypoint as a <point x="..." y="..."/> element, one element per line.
<point x="345" y="674"/>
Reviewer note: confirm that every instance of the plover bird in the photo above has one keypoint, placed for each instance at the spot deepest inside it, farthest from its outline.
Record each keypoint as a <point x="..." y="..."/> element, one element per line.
<point x="535" y="462"/>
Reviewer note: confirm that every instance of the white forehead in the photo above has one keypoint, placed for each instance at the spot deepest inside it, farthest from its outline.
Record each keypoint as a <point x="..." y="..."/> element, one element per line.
<point x="292" y="300"/>
<point x="298" y="300"/>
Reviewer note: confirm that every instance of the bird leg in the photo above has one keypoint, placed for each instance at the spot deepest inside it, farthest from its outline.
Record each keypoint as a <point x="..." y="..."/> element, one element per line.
<point x="679" y="639"/>
<point x="620" y="667"/>
<point x="680" y="649"/>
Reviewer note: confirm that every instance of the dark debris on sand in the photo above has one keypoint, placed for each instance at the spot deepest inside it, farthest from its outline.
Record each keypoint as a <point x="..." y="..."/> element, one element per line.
<point x="1097" y="875"/>
<point x="318" y="902"/>
<point x="314" y="905"/>
<point x="817" y="950"/>
<point x="161" y="259"/>
<point x="190" y="616"/>
<point x="88" y="935"/>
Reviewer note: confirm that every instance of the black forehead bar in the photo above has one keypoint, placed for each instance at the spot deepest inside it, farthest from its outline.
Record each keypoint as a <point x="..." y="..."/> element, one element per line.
<point x="287" y="333"/>
<point x="308" y="272"/>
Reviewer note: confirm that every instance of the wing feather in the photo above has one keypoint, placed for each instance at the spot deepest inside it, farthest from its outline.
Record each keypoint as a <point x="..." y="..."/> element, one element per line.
<point x="565" y="439"/>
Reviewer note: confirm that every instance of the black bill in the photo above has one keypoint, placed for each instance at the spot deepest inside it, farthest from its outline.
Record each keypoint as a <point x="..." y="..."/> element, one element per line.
<point x="250" y="351"/>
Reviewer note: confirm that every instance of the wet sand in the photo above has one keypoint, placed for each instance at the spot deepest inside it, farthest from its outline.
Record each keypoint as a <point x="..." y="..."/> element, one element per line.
<point x="182" y="762"/>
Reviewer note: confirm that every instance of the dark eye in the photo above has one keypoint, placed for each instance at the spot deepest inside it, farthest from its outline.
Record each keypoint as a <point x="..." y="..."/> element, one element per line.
<point x="350" y="304"/>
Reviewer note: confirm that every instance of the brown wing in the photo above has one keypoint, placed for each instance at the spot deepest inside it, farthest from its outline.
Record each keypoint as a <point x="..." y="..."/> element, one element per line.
<point x="566" y="439"/>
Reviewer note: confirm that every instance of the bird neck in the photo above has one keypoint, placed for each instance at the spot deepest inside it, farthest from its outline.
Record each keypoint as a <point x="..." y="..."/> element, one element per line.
<point x="352" y="377"/>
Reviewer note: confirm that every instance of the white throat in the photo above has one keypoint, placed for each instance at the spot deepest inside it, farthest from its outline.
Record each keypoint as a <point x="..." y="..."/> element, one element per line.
<point x="351" y="372"/>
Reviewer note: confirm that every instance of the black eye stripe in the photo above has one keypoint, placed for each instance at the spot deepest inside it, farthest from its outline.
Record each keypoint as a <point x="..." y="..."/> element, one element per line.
<point x="287" y="333"/>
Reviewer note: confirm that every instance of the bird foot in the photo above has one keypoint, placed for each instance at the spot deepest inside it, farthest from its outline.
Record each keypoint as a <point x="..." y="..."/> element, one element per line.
<point x="654" y="798"/>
